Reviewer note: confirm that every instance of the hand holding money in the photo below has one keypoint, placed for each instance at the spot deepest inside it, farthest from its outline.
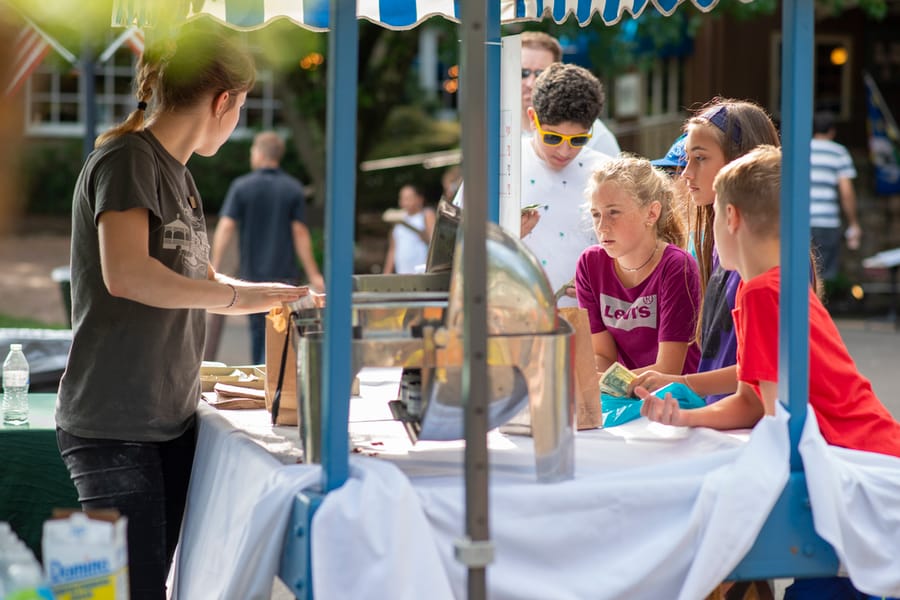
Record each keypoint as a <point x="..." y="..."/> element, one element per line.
<point x="615" y="380"/>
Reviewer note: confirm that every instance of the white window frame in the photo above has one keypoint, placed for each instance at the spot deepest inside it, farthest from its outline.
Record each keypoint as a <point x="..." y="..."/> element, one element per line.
<point x="106" y="97"/>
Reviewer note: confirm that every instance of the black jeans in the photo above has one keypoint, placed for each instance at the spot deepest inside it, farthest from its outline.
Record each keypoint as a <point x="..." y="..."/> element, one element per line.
<point x="257" y="338"/>
<point x="146" y="482"/>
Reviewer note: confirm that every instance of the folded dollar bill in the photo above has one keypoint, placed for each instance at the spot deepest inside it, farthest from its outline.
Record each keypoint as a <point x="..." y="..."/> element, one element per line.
<point x="616" y="379"/>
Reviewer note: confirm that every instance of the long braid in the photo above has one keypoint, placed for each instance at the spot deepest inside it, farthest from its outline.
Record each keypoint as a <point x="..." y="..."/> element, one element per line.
<point x="180" y="70"/>
<point x="145" y="84"/>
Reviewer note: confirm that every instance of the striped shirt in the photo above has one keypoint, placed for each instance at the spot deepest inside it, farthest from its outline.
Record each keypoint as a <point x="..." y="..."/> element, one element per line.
<point x="829" y="162"/>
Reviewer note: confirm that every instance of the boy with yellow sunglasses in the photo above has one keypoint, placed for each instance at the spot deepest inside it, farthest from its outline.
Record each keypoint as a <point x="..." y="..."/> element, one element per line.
<point x="556" y="166"/>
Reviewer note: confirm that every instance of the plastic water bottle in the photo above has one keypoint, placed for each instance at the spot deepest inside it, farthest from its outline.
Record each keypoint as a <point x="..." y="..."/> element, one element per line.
<point x="21" y="576"/>
<point x="15" y="387"/>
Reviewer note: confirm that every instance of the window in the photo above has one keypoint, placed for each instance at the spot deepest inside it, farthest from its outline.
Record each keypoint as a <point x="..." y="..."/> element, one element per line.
<point x="652" y="93"/>
<point x="832" y="62"/>
<point x="54" y="107"/>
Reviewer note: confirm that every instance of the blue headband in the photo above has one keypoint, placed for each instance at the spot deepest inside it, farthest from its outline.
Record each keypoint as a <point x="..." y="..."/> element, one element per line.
<point x="719" y="118"/>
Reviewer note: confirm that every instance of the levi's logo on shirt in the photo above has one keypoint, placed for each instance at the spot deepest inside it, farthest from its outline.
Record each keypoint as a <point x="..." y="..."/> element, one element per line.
<point x="625" y="315"/>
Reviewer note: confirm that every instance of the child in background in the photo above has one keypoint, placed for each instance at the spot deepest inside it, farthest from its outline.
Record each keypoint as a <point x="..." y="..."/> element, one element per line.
<point x="411" y="234"/>
<point x="849" y="415"/>
<point x="640" y="288"/>
<point x="675" y="160"/>
<point x="673" y="164"/>
<point x="720" y="132"/>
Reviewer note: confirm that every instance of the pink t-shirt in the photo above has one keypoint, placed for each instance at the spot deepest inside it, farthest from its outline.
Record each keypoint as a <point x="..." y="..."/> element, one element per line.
<point x="662" y="308"/>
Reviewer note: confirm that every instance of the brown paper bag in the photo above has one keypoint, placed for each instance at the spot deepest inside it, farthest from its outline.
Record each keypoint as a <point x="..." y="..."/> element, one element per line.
<point x="277" y="334"/>
<point x="587" y="380"/>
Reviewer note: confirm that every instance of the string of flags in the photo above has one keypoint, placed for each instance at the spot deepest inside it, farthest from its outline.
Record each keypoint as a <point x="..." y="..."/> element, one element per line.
<point x="33" y="44"/>
<point x="132" y="37"/>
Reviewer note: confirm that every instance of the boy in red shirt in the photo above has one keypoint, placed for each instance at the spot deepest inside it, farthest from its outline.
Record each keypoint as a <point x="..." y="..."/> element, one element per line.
<point x="746" y="230"/>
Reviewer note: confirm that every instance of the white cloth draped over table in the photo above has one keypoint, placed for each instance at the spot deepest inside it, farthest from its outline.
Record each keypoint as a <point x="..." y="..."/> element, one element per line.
<point x="855" y="498"/>
<point x="653" y="512"/>
<point x="645" y="502"/>
<point x="239" y="503"/>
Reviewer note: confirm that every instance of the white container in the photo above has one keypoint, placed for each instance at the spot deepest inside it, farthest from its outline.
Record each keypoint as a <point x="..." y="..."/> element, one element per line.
<point x="86" y="559"/>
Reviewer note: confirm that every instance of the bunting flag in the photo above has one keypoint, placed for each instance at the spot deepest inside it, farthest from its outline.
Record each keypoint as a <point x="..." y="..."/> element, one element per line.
<point x="132" y="37"/>
<point x="884" y="140"/>
<point x="31" y="49"/>
<point x="135" y="41"/>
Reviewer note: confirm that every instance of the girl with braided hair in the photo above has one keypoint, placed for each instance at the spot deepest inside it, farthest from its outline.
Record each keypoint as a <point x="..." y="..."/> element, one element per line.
<point x="141" y="286"/>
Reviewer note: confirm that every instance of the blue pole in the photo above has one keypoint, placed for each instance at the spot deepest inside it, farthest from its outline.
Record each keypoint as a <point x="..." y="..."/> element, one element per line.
<point x="796" y="101"/>
<point x="340" y="208"/>
<point x="492" y="54"/>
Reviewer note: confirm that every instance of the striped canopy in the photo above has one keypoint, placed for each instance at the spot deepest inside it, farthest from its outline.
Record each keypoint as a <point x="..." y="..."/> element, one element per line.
<point x="395" y="14"/>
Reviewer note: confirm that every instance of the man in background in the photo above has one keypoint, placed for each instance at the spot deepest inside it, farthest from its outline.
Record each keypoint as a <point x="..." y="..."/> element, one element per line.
<point x="539" y="51"/>
<point x="831" y="189"/>
<point x="267" y="208"/>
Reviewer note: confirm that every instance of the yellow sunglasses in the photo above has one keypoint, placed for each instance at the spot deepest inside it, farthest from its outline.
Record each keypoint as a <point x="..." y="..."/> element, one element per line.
<point x="550" y="138"/>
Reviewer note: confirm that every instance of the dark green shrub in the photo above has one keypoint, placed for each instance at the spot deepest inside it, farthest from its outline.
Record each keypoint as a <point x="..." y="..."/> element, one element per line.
<point x="49" y="171"/>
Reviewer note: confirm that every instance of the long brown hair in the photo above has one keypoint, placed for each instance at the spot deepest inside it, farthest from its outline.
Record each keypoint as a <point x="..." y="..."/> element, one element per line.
<point x="178" y="72"/>
<point x="738" y="126"/>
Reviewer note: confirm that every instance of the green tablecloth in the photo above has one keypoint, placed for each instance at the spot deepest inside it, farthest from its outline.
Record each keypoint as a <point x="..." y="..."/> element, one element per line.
<point x="33" y="478"/>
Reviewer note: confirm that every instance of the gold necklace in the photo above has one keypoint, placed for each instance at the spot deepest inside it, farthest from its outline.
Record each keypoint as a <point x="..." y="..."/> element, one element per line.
<point x="646" y="262"/>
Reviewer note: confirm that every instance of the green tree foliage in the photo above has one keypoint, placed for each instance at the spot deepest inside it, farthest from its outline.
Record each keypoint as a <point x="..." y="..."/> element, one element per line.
<point x="392" y="116"/>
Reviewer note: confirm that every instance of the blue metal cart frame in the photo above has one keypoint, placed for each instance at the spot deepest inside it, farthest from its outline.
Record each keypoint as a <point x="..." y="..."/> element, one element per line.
<point x="788" y="544"/>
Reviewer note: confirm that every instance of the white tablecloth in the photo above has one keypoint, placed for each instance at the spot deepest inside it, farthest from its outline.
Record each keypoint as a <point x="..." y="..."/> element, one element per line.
<point x="653" y="512"/>
<point x="855" y="498"/>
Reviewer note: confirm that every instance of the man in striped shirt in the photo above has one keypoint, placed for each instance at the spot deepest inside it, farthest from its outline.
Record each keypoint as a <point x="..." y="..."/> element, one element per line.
<point x="831" y="188"/>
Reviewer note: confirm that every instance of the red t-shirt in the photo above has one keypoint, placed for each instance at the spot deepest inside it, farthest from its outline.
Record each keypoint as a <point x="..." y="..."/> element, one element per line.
<point x="848" y="412"/>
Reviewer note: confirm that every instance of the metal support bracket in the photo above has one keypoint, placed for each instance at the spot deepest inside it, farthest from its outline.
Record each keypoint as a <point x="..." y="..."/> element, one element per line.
<point x="788" y="545"/>
<point x="474" y="554"/>
<point x="295" y="569"/>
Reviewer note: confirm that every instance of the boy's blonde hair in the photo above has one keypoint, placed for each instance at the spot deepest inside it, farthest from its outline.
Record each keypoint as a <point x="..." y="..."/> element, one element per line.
<point x="645" y="183"/>
<point x="752" y="184"/>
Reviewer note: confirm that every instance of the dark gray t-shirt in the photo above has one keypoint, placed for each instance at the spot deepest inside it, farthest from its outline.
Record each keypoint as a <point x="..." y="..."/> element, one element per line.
<point x="133" y="370"/>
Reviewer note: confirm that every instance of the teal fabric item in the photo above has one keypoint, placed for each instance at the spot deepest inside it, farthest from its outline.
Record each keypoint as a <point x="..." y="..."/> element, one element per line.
<point x="617" y="411"/>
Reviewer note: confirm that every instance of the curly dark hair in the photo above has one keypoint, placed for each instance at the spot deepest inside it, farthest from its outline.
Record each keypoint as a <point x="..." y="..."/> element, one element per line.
<point x="566" y="92"/>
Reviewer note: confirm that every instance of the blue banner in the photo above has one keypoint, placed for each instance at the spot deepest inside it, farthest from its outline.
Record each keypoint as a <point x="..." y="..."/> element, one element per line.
<point x="884" y="140"/>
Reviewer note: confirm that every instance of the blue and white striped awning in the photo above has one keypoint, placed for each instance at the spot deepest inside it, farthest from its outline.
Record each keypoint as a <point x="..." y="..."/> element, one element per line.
<point x="400" y="14"/>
